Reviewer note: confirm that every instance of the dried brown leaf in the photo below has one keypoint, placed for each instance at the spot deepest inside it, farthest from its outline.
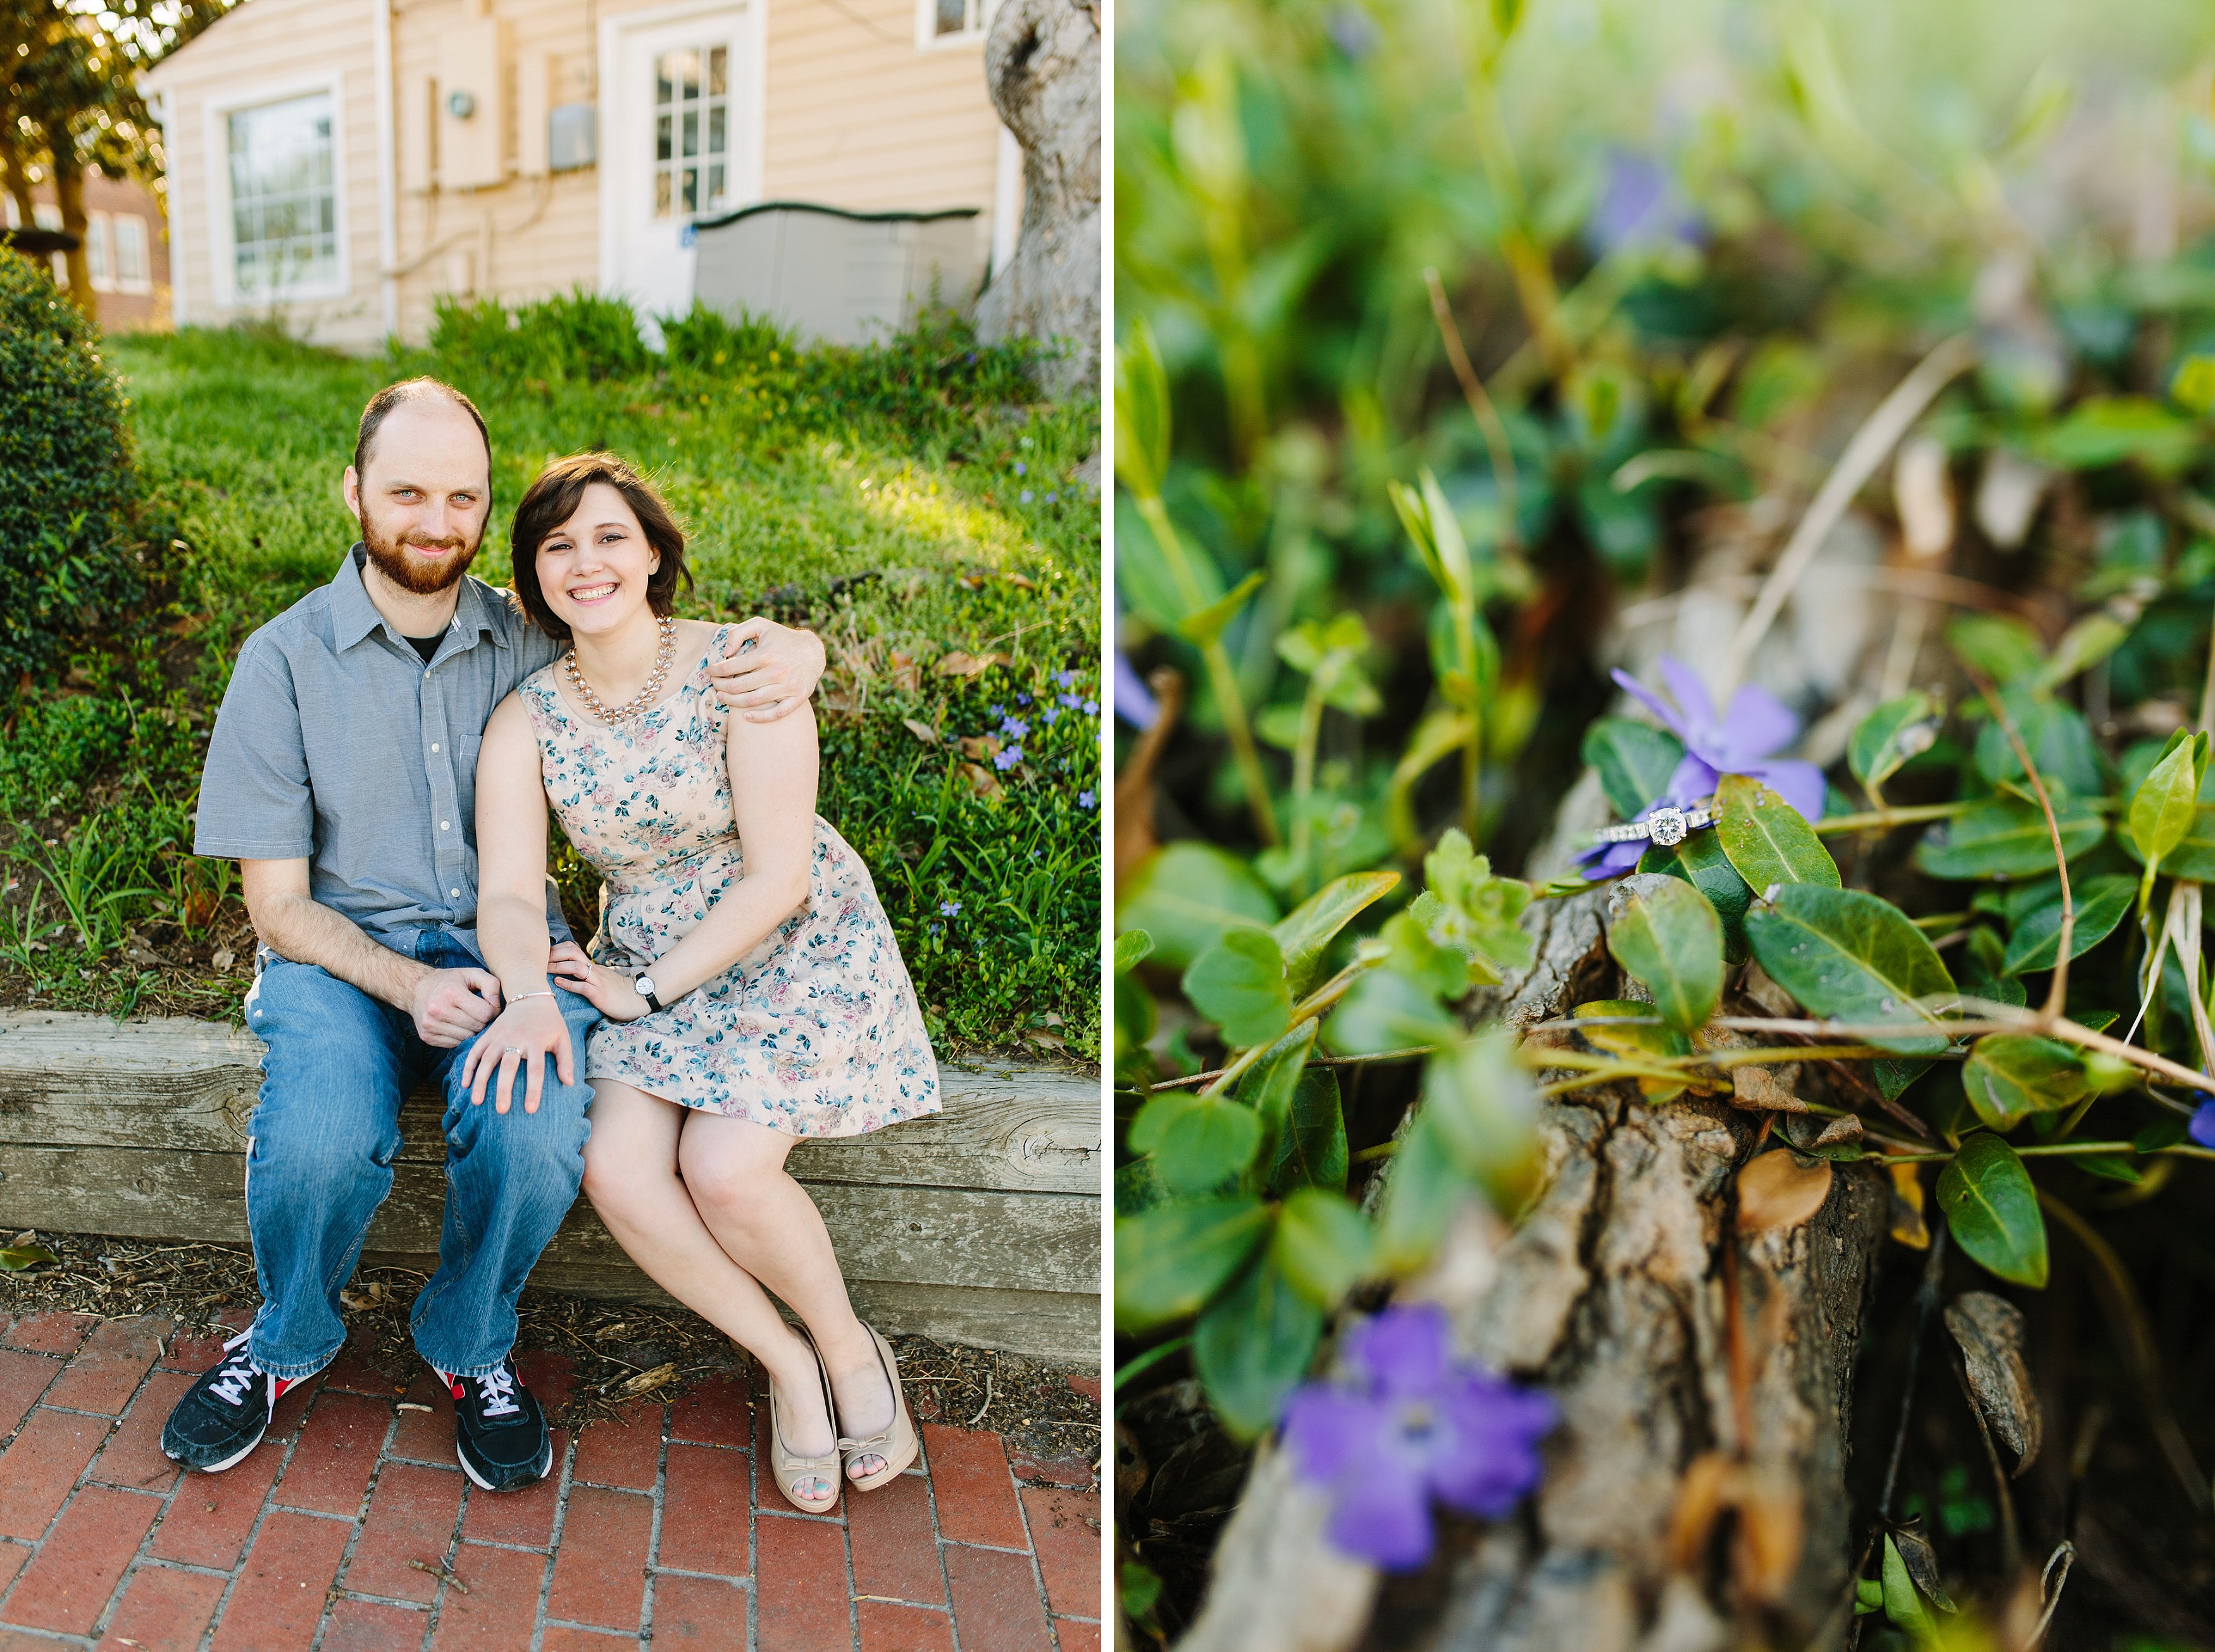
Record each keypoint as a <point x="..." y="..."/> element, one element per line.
<point x="922" y="731"/>
<point x="1778" y="1190"/>
<point x="1762" y="1089"/>
<point x="1921" y="1560"/>
<point x="982" y="781"/>
<point x="1990" y="1330"/>
<point x="960" y="663"/>
<point x="1909" y="1224"/>
<point x="1772" y="1529"/>
<point x="1701" y="1497"/>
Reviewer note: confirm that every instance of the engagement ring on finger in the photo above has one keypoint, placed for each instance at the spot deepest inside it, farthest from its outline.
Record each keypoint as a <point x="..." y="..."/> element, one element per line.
<point x="1665" y="827"/>
<point x="514" y="1049"/>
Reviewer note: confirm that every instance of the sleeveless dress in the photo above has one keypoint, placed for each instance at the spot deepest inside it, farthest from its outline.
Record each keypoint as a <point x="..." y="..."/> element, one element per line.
<point x="816" y="1032"/>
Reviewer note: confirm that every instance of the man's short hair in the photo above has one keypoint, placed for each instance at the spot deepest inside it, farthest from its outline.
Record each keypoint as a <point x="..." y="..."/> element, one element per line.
<point x="410" y="390"/>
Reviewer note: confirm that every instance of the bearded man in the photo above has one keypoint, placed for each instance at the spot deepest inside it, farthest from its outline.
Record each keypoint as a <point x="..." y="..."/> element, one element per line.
<point x="341" y="777"/>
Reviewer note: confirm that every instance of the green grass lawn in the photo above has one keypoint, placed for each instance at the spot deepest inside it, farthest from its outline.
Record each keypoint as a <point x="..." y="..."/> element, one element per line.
<point x="907" y="502"/>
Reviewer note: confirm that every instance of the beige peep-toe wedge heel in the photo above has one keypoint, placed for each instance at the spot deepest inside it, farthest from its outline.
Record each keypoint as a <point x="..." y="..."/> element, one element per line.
<point x="898" y="1444"/>
<point x="788" y="1467"/>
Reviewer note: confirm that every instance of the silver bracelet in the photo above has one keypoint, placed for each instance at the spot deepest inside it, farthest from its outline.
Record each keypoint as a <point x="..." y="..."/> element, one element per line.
<point x="547" y="992"/>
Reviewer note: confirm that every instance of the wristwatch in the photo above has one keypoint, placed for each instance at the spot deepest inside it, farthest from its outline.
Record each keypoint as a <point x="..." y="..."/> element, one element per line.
<point x="644" y="985"/>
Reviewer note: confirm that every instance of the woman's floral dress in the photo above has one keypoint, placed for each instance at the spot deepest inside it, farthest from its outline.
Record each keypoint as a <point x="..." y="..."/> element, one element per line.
<point x="816" y="1032"/>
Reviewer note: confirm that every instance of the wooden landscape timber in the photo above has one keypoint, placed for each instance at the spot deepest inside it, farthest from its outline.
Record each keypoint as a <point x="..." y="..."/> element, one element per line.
<point x="981" y="1226"/>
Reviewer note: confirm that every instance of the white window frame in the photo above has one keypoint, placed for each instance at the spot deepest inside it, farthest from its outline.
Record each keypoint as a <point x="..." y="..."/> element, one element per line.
<point x="216" y="122"/>
<point x="926" y="23"/>
<point x="143" y="282"/>
<point x="98" y="250"/>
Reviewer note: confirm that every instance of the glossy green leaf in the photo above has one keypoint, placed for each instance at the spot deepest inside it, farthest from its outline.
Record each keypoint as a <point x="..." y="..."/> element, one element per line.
<point x="1252" y="1346"/>
<point x="2083" y="646"/>
<point x="2036" y="942"/>
<point x="1142" y="414"/>
<point x="1670" y="938"/>
<point x="1385" y="1010"/>
<point x="1187" y="894"/>
<point x="1442" y="971"/>
<point x="1172" y="1258"/>
<point x="1306" y="933"/>
<point x="2000" y="648"/>
<point x="1464" y="905"/>
<point x="1311" y="1147"/>
<point x="1767" y="840"/>
<point x="2105" y="430"/>
<point x="1422" y="1190"/>
<point x="2193" y="857"/>
<point x="18" y="1258"/>
<point x="1481" y="1101"/>
<point x="2161" y="809"/>
<point x="1133" y="947"/>
<point x="1847" y="955"/>
<point x="1239" y="985"/>
<point x="1206" y="623"/>
<point x="1323" y="1245"/>
<point x="1268" y="1084"/>
<point x="1898" y="729"/>
<point x="1197" y="1142"/>
<point x="1635" y="761"/>
<point x="1992" y="1209"/>
<point x="2007" y="838"/>
<point x="2059" y="739"/>
<point x="1901" y="1603"/>
<point x="2009" y="1077"/>
<point x="1700" y="861"/>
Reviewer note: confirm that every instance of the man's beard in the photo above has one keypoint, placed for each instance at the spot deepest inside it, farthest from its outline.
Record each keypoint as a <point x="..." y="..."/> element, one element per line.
<point x="425" y="579"/>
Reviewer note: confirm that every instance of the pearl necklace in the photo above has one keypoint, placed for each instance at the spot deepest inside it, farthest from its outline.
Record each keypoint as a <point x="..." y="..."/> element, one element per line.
<point x="639" y="701"/>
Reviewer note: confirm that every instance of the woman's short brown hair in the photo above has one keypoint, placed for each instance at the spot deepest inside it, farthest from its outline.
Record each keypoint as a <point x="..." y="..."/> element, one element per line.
<point x="553" y="499"/>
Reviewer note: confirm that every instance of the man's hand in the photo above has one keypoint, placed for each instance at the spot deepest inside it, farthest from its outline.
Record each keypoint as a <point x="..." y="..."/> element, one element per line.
<point x="451" y="1006"/>
<point x="768" y="671"/>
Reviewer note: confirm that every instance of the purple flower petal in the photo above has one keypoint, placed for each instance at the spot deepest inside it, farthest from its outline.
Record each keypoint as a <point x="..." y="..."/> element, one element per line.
<point x="1332" y="1431"/>
<point x="1757" y="724"/>
<point x="2202" y="1127"/>
<point x="1670" y="718"/>
<point x="1798" y="783"/>
<point x="1489" y="1460"/>
<point x="1134" y="704"/>
<point x="1383" y="1517"/>
<point x="1604" y="861"/>
<point x="1693" y="778"/>
<point x="1403" y="1350"/>
<point x="1690" y="693"/>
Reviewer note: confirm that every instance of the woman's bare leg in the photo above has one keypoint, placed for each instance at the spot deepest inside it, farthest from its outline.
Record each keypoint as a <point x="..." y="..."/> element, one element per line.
<point x="768" y="1226"/>
<point x="631" y="1177"/>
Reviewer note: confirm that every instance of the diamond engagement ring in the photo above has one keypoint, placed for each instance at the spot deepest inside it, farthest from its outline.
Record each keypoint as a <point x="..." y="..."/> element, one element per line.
<point x="1666" y="827"/>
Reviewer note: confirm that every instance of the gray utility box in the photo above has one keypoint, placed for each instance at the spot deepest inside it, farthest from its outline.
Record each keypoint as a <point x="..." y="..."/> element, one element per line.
<point x="843" y="277"/>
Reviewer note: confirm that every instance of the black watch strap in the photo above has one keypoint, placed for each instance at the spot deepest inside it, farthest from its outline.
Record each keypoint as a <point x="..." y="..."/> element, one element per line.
<point x="651" y="1002"/>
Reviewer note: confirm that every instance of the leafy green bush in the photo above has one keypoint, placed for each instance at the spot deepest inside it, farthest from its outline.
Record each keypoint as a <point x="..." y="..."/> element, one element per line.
<point x="67" y="490"/>
<point x="576" y="335"/>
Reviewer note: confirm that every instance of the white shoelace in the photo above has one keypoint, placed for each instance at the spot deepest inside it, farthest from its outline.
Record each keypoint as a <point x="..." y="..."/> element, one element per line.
<point x="237" y="1374"/>
<point x="497" y="1390"/>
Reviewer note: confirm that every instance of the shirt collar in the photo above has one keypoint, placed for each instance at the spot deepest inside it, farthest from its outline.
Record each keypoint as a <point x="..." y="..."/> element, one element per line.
<point x="353" y="616"/>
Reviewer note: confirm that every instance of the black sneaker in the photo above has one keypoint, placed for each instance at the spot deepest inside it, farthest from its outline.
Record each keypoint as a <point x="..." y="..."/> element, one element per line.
<point x="223" y="1415"/>
<point x="499" y="1430"/>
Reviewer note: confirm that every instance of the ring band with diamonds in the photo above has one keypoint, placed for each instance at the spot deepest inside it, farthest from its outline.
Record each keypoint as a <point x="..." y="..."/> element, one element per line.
<point x="515" y="1049"/>
<point x="1665" y="827"/>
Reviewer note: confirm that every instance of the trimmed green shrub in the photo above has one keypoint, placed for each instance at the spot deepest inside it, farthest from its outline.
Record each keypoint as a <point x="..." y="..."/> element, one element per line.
<point x="67" y="490"/>
<point x="572" y="335"/>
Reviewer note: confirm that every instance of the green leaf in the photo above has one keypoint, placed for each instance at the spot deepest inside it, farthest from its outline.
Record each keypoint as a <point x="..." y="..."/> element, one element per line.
<point x="1423" y="1188"/>
<point x="1311" y="1148"/>
<point x="1204" y="624"/>
<point x="2083" y="646"/>
<point x="1170" y="1259"/>
<point x="1239" y="985"/>
<point x="2105" y="430"/>
<point x="1670" y="938"/>
<point x="1901" y="1603"/>
<point x="2009" y="1077"/>
<point x="2100" y="904"/>
<point x="2193" y="857"/>
<point x="1385" y="1010"/>
<point x="2008" y="838"/>
<point x="1480" y="1100"/>
<point x="1635" y="1043"/>
<point x="1133" y="947"/>
<point x="1307" y="933"/>
<point x="1701" y="861"/>
<point x="1142" y="414"/>
<point x="1769" y="842"/>
<point x="2059" y="739"/>
<point x="2002" y="649"/>
<point x="1635" y="761"/>
<point x="1475" y="912"/>
<point x="1898" y="729"/>
<point x="1868" y="1596"/>
<point x="1268" y="1084"/>
<point x="16" y="1258"/>
<point x="1850" y="957"/>
<point x="1443" y="971"/>
<point x="1252" y="1346"/>
<point x="1323" y="1245"/>
<point x="1187" y="895"/>
<point x="2163" y="808"/>
<point x="1197" y="1142"/>
<point x="1992" y="1209"/>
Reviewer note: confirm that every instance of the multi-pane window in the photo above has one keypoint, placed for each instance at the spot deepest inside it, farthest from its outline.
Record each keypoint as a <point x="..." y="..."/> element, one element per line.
<point x="952" y="20"/>
<point x="99" y="257"/>
<point x="691" y="131"/>
<point x="134" y="270"/>
<point x="284" y="196"/>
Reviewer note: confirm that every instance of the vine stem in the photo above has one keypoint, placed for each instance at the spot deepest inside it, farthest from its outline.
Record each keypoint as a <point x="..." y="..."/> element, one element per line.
<point x="1310" y="1008"/>
<point x="2057" y="995"/>
<point x="1481" y="408"/>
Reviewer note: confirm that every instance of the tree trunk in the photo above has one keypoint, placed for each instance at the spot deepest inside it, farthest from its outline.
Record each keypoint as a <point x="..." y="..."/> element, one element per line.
<point x="14" y="176"/>
<point x="69" y="192"/>
<point x="1042" y="65"/>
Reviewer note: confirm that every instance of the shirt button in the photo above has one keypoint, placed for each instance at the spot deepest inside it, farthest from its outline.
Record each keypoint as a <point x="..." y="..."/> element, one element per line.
<point x="455" y="893"/>
<point x="445" y="824"/>
<point x="435" y="745"/>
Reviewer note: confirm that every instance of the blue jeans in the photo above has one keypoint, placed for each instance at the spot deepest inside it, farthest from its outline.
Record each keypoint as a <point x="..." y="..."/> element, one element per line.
<point x="319" y="1163"/>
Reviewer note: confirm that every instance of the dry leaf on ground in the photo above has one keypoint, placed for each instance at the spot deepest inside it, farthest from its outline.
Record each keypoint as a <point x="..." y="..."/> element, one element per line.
<point x="1778" y="1190"/>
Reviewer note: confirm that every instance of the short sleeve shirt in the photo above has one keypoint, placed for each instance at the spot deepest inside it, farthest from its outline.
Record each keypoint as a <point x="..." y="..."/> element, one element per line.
<point x="337" y="743"/>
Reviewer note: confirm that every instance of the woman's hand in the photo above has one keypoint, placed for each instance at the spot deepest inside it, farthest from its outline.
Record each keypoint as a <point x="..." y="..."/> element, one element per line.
<point x="521" y="1035"/>
<point x="607" y="991"/>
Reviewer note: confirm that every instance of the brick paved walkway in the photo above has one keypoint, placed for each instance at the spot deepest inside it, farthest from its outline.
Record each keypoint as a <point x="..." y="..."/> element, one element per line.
<point x="656" y="1527"/>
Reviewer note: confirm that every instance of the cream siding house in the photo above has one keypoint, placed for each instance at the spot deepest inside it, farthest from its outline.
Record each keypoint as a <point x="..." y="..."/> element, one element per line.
<point x="340" y="164"/>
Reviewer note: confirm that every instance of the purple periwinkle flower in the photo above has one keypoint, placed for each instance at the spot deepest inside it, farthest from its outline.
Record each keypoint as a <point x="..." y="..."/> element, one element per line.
<point x="1415" y="1424"/>
<point x="1015" y="726"/>
<point x="949" y="907"/>
<point x="1134" y="702"/>
<point x="2202" y="1127"/>
<point x="1009" y="759"/>
<point x="1641" y="205"/>
<point x="1740" y="742"/>
<point x="1084" y="798"/>
<point x="1027" y="495"/>
<point x="1022" y="470"/>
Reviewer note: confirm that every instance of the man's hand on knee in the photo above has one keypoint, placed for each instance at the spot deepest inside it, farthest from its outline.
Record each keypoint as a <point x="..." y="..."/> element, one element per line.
<point x="452" y="1006"/>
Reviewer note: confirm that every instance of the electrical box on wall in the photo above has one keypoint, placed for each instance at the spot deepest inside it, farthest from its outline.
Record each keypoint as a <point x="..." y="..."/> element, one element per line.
<point x="571" y="137"/>
<point x="471" y="117"/>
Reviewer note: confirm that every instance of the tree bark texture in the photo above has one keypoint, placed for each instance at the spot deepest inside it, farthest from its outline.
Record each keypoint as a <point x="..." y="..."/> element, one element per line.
<point x="1042" y="67"/>
<point x="69" y="194"/>
<point x="1614" y="1294"/>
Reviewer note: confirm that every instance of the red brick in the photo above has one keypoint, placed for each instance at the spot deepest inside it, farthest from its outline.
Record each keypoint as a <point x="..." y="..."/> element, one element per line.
<point x="352" y="1371"/>
<point x="23" y="1378"/>
<point x="197" y="1353"/>
<point x="1074" y="1472"/>
<point x="368" y="1626"/>
<point x="411" y="1517"/>
<point x="624" y="1450"/>
<point x="526" y="1516"/>
<point x="549" y="1375"/>
<point x="888" y="1628"/>
<point x="1073" y="1636"/>
<point x="976" y="1497"/>
<point x="338" y="1444"/>
<point x="165" y="1610"/>
<point x="69" y="1584"/>
<point x="895" y="1549"/>
<point x="599" y="1567"/>
<point x="719" y="1412"/>
<point x="132" y="1455"/>
<point x="106" y="1371"/>
<point x="800" y="1585"/>
<point x="699" y="1614"/>
<point x="1088" y="1386"/>
<point x="501" y="1608"/>
<point x="37" y="1471"/>
<point x="1065" y="1534"/>
<point x="12" y="1556"/>
<point x="426" y="1435"/>
<point x="996" y="1601"/>
<point x="563" y="1637"/>
<point x="703" y="1512"/>
<point x="211" y="1514"/>
<point x="51" y="1332"/>
<point x="279" y="1597"/>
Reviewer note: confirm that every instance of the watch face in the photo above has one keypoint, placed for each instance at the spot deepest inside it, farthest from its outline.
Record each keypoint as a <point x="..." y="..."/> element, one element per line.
<point x="645" y="985"/>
